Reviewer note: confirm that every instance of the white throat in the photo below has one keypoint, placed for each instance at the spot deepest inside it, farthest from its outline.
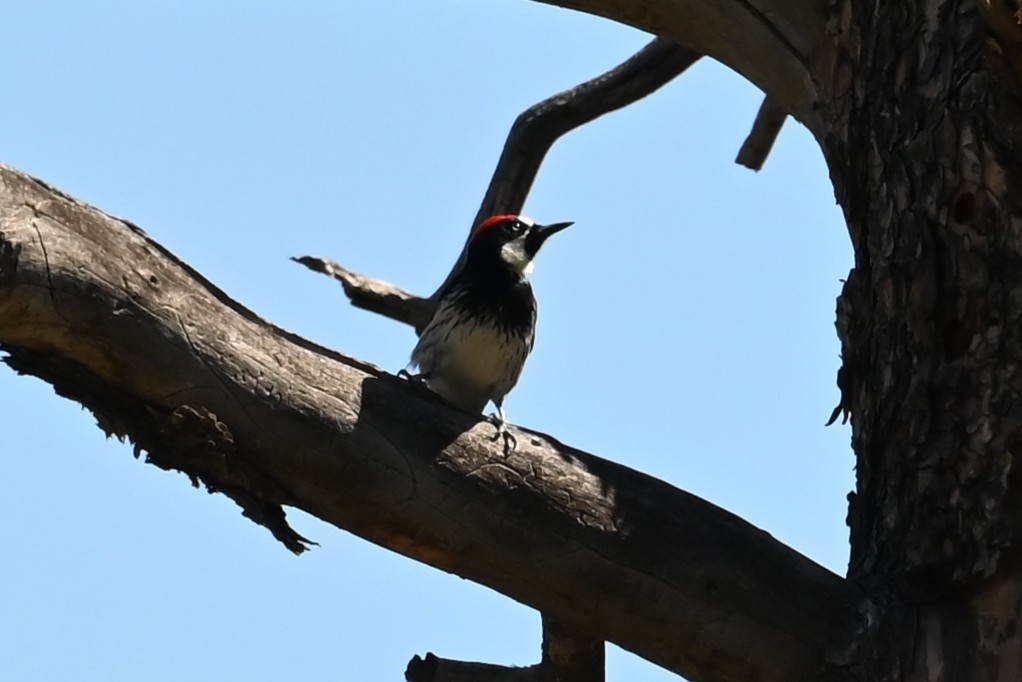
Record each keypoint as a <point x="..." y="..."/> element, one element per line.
<point x="516" y="256"/>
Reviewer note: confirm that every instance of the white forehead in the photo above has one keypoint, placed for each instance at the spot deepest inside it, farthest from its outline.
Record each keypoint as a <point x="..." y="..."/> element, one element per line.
<point x="528" y="222"/>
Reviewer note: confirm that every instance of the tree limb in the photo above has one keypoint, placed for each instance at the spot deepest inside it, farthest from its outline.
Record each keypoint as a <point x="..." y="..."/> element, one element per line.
<point x="375" y="295"/>
<point x="765" y="129"/>
<point x="567" y="657"/>
<point x="538" y="127"/>
<point x="201" y="384"/>
<point x="530" y="138"/>
<point x="435" y="669"/>
<point x="782" y="46"/>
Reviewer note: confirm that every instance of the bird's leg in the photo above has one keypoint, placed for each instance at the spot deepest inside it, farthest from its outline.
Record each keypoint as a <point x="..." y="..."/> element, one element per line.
<point x="510" y="442"/>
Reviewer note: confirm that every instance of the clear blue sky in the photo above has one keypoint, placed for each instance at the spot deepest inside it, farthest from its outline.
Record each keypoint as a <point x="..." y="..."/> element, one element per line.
<point x="686" y="321"/>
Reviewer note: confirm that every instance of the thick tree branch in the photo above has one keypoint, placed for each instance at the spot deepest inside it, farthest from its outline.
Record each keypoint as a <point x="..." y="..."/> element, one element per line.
<point x="203" y="385"/>
<point x="782" y="46"/>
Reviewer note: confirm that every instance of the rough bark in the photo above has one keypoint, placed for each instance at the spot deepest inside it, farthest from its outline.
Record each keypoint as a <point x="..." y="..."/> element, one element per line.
<point x="202" y="385"/>
<point x="923" y="140"/>
<point x="916" y="106"/>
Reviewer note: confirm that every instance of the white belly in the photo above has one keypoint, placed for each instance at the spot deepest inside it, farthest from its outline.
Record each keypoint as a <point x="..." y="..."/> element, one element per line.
<point x="470" y="364"/>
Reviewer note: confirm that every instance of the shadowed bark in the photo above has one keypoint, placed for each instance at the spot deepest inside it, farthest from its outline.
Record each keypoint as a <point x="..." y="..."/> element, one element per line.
<point x="202" y="385"/>
<point x="567" y="657"/>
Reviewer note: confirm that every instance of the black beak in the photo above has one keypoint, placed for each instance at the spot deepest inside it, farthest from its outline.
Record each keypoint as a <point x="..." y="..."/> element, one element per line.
<point x="540" y="233"/>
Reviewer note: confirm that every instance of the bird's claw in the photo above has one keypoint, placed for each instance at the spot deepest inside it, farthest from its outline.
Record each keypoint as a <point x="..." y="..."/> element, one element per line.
<point x="510" y="442"/>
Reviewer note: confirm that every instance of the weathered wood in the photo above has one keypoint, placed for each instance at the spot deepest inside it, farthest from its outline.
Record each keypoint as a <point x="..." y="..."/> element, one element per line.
<point x="375" y="295"/>
<point x="567" y="656"/>
<point x="201" y="384"/>
<point x="783" y="46"/>
<point x="923" y="139"/>
<point x="765" y="129"/>
<point x="570" y="657"/>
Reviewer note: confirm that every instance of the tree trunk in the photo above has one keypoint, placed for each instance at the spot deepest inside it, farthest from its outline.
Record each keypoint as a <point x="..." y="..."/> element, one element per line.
<point x="923" y="142"/>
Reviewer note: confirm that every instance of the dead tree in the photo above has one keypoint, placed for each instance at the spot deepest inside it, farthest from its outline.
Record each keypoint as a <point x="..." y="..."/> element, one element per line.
<point x="916" y="107"/>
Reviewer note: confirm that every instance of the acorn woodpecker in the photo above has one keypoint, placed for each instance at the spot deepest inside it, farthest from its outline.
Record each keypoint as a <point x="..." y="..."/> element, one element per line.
<point x="474" y="348"/>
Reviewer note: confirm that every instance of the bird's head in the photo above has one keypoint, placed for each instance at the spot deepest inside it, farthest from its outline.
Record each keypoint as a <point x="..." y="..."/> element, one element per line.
<point x="514" y="239"/>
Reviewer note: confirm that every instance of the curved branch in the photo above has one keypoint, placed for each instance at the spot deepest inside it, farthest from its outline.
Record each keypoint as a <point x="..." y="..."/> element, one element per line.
<point x="203" y="385"/>
<point x="782" y="46"/>
<point x="538" y="127"/>
<point x="530" y="138"/>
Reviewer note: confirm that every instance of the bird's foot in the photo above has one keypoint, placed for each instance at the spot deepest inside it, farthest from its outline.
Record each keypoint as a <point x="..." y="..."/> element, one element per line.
<point x="510" y="442"/>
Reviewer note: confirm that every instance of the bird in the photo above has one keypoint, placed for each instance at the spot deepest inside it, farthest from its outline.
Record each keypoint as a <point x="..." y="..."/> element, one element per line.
<point x="473" y="349"/>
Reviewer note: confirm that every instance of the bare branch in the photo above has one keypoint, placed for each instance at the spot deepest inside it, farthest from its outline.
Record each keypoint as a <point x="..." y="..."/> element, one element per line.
<point x="568" y="656"/>
<point x="538" y="127"/>
<point x="531" y="137"/>
<point x="780" y="45"/>
<point x="436" y="669"/>
<point x="765" y="129"/>
<point x="94" y="306"/>
<point x="375" y="295"/>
